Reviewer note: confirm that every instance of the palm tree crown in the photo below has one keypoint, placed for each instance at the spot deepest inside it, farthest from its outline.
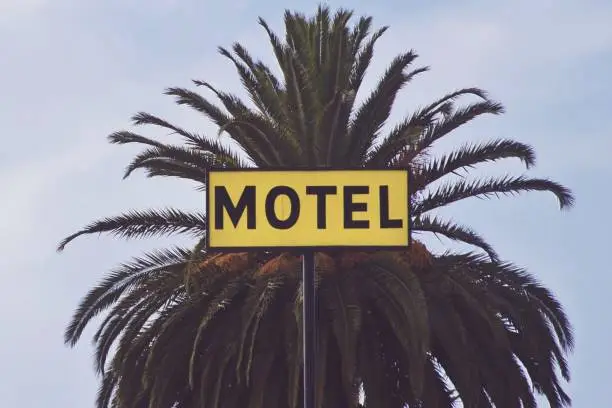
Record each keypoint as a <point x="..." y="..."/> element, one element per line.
<point x="409" y="328"/>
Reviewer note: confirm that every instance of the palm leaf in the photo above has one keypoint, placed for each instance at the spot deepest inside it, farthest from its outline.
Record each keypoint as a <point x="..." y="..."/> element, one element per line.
<point x="508" y="185"/>
<point x="144" y="224"/>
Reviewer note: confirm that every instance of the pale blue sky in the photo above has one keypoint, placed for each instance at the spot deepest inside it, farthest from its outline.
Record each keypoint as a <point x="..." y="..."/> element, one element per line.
<point x="72" y="72"/>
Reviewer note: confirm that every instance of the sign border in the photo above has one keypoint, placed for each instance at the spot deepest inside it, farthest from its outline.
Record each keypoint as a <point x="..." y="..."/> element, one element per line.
<point x="227" y="249"/>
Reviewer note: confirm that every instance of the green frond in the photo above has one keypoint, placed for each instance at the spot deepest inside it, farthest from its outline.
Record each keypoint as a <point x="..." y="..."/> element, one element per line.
<point x="409" y="137"/>
<point x="255" y="308"/>
<point x="450" y="344"/>
<point x="520" y="282"/>
<point x="192" y="139"/>
<point x="144" y="224"/>
<point x="293" y="335"/>
<point x="299" y="40"/>
<point x="264" y="361"/>
<point x="420" y="130"/>
<point x="199" y="103"/>
<point x="159" y="167"/>
<point x="132" y="311"/>
<point x="454" y="232"/>
<point x="261" y="84"/>
<point x="217" y="305"/>
<point x="470" y="155"/>
<point x="170" y="161"/>
<point x="458" y="118"/>
<point x="436" y="393"/>
<point x="364" y="56"/>
<point x="400" y="297"/>
<point x="195" y="163"/>
<point x="374" y="112"/>
<point x="277" y="46"/>
<point x="511" y="291"/>
<point x="125" y="137"/>
<point x="339" y="58"/>
<point x="255" y="133"/>
<point x="384" y="377"/>
<point x="299" y="98"/>
<point x="346" y="315"/>
<point x="508" y="185"/>
<point x="174" y="332"/>
<point x="332" y="126"/>
<point x="106" y="389"/>
<point x="143" y="118"/>
<point x="451" y="97"/>
<point x="133" y="328"/>
<point x="403" y="138"/>
<point x="126" y="276"/>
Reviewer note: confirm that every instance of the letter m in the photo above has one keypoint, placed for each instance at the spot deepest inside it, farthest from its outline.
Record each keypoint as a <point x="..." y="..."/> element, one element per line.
<point x="246" y="202"/>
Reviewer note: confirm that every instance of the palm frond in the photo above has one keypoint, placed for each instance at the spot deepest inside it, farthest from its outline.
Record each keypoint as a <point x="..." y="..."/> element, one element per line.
<point x="346" y="315"/>
<point x="144" y="224"/>
<point x="199" y="103"/>
<point x="182" y="157"/>
<point x="409" y="136"/>
<point x="121" y="279"/>
<point x="255" y="133"/>
<point x="516" y="295"/>
<point x="125" y="137"/>
<point x="372" y="115"/>
<point x="452" y="121"/>
<point x="364" y="56"/>
<point x="451" y="97"/>
<point x="508" y="185"/>
<point x="401" y="297"/>
<point x="454" y="232"/>
<point x="402" y="139"/>
<point x="470" y="155"/>
<point x="192" y="139"/>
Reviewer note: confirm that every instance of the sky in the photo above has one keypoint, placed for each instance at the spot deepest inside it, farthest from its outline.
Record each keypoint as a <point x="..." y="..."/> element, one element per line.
<point x="73" y="72"/>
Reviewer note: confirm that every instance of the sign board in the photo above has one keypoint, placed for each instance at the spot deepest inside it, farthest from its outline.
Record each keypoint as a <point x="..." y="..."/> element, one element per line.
<point x="296" y="208"/>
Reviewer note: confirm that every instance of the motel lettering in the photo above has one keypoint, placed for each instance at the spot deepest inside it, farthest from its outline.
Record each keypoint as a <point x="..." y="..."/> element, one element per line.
<point x="246" y="206"/>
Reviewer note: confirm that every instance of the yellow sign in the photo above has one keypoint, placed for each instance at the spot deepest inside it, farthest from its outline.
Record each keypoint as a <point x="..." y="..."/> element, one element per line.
<point x="275" y="209"/>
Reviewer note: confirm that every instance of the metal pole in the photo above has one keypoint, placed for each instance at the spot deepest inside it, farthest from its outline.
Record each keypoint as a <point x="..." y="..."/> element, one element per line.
<point x="309" y="308"/>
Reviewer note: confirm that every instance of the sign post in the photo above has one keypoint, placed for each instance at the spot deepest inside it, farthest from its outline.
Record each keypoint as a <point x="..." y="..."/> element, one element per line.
<point x="309" y="307"/>
<point x="310" y="210"/>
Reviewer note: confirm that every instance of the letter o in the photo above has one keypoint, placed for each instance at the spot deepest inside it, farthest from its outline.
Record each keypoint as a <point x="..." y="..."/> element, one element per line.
<point x="294" y="211"/>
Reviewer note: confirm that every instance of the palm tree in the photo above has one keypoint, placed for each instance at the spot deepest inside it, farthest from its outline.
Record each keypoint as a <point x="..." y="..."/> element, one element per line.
<point x="403" y="328"/>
